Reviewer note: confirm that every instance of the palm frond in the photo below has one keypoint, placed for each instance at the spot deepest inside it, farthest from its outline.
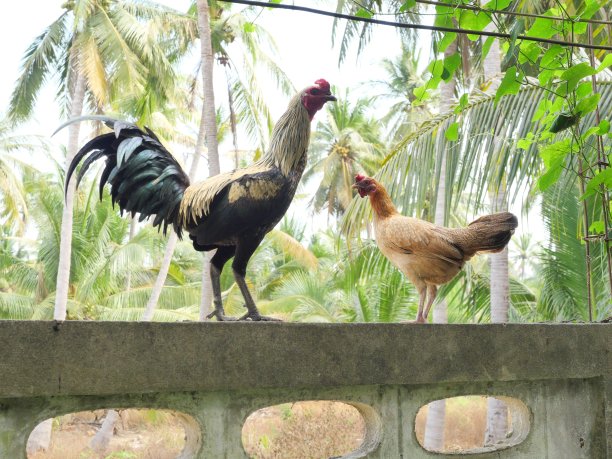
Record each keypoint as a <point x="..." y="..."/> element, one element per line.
<point x="15" y="306"/>
<point x="486" y="151"/>
<point x="293" y="248"/>
<point x="36" y="66"/>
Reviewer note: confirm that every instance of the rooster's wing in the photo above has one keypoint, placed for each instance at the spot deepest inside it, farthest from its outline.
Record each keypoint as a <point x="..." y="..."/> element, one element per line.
<point x="249" y="206"/>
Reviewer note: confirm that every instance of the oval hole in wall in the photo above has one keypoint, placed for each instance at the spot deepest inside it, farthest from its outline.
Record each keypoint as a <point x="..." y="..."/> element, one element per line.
<point x="133" y="433"/>
<point x="315" y="428"/>
<point x="473" y="424"/>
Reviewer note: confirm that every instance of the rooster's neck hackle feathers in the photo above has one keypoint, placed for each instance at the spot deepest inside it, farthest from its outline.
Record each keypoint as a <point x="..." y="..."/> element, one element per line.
<point x="290" y="138"/>
<point x="288" y="146"/>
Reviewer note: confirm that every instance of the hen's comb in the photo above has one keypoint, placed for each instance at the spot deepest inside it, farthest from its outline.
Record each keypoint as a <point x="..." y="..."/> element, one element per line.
<point x="359" y="178"/>
<point x="323" y="84"/>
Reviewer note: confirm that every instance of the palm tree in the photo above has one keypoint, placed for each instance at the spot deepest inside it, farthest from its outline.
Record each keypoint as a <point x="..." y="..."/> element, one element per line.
<point x="346" y="144"/>
<point x="99" y="48"/>
<point x="246" y="51"/>
<point x="379" y="292"/>
<point x="102" y="258"/>
<point x="562" y="270"/>
<point x="524" y="253"/>
<point x="361" y="31"/>
<point x="208" y="132"/>
<point x="402" y="78"/>
<point x="246" y="105"/>
<point x="14" y="210"/>
<point x="436" y="414"/>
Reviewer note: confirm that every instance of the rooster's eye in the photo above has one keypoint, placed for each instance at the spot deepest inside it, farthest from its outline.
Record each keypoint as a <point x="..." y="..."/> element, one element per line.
<point x="315" y="92"/>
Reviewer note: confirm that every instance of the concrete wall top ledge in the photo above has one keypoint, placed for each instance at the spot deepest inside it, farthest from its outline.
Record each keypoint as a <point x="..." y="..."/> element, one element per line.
<point x="98" y="358"/>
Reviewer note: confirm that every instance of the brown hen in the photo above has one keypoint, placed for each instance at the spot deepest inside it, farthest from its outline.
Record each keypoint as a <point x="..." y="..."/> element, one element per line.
<point x="430" y="255"/>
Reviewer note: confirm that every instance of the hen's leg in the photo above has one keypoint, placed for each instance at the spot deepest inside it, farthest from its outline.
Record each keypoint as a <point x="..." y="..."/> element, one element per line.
<point x="432" y="291"/>
<point x="216" y="267"/>
<point x="422" y="293"/>
<point x="243" y="254"/>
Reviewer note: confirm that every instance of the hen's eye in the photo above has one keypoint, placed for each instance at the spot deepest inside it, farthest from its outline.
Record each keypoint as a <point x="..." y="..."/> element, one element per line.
<point x="315" y="92"/>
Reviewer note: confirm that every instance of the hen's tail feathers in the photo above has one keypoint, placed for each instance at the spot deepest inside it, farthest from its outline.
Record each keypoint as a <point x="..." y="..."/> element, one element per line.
<point x="143" y="175"/>
<point x="492" y="233"/>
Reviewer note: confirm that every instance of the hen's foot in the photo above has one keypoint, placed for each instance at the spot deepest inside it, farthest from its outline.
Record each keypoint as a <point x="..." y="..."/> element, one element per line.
<point x="256" y="317"/>
<point x="221" y="317"/>
<point x="419" y="320"/>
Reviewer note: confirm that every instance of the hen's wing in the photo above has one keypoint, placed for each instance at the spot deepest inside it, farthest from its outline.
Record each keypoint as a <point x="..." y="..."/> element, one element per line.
<point x="412" y="236"/>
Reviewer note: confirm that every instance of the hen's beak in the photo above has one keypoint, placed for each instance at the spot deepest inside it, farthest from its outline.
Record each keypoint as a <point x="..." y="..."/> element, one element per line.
<point x="330" y="98"/>
<point x="359" y="187"/>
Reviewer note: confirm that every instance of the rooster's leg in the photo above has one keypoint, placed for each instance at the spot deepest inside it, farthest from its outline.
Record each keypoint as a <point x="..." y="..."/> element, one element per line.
<point x="216" y="266"/>
<point x="432" y="291"/>
<point x="243" y="254"/>
<point x="422" y="293"/>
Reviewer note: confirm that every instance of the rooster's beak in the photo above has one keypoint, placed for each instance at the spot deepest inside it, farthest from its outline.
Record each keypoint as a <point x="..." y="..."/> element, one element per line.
<point x="330" y="98"/>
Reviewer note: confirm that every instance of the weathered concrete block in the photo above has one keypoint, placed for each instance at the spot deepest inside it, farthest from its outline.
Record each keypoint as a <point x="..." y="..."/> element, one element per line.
<point x="219" y="373"/>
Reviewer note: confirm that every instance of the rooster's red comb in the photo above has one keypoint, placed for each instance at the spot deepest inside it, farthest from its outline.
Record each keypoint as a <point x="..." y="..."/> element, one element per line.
<point x="323" y="84"/>
<point x="359" y="178"/>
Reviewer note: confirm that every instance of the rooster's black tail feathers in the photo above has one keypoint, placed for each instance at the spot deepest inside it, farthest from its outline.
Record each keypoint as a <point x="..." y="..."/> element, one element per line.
<point x="144" y="177"/>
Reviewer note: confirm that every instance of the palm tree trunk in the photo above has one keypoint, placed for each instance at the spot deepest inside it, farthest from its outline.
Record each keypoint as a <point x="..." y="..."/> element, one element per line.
<point x="497" y="422"/>
<point x="233" y="126"/>
<point x="434" y="427"/>
<point x="161" y="278"/>
<point x="500" y="285"/>
<point x="208" y="130"/>
<point x="99" y="442"/>
<point x="497" y="410"/>
<point x="40" y="437"/>
<point x="63" y="269"/>
<point x="128" y="280"/>
<point x="492" y="64"/>
<point x="209" y="116"/>
<point x="440" y="311"/>
<point x="208" y="126"/>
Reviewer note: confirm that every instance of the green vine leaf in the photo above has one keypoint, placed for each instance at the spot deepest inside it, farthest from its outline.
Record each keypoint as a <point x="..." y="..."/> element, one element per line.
<point x="363" y="13"/>
<point x="575" y="73"/>
<point x="510" y="84"/>
<point x="603" y="178"/>
<point x="452" y="133"/>
<point x="587" y="104"/>
<point x="553" y="157"/>
<point x="607" y="62"/>
<point x="407" y="5"/>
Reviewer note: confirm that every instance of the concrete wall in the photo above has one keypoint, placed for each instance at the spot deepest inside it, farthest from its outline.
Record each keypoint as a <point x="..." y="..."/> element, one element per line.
<point x="219" y="373"/>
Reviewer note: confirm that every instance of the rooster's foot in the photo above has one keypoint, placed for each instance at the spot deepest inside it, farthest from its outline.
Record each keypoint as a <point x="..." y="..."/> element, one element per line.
<point x="254" y="316"/>
<point x="221" y="317"/>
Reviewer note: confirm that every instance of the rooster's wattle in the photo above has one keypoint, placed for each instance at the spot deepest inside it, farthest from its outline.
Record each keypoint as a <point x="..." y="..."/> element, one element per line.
<point x="230" y="212"/>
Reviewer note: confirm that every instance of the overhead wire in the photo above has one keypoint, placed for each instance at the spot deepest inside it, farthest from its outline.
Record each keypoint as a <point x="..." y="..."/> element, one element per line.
<point x="511" y="13"/>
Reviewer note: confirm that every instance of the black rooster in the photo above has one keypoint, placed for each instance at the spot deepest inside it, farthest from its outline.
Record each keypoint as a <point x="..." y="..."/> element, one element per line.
<point x="230" y="212"/>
